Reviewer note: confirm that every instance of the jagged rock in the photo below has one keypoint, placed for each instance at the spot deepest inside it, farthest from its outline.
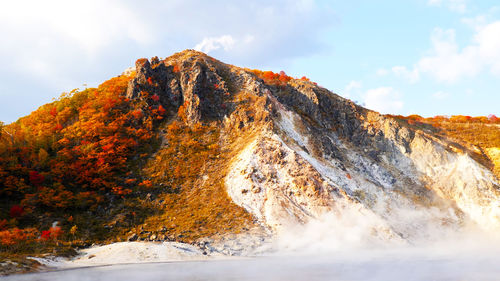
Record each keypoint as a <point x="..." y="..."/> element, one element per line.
<point x="157" y="79"/>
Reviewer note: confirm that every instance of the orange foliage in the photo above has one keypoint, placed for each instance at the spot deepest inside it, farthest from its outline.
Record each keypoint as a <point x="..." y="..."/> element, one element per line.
<point x="74" y="152"/>
<point x="491" y="119"/>
<point x="55" y="232"/>
<point x="161" y="110"/>
<point x="16" y="235"/>
<point x="53" y="111"/>
<point x="130" y="181"/>
<point x="269" y="77"/>
<point x="146" y="183"/>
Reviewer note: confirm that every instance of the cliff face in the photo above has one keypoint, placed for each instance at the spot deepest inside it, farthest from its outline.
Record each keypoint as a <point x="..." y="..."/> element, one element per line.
<point x="294" y="152"/>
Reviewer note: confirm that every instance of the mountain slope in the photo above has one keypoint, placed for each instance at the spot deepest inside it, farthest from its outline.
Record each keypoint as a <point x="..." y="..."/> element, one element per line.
<point x="188" y="148"/>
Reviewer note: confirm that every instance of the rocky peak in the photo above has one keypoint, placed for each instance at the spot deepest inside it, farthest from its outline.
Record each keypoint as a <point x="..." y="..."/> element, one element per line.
<point x="189" y="79"/>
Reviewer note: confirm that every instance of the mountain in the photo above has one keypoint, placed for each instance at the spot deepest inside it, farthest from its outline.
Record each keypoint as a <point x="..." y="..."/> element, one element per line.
<point x="188" y="148"/>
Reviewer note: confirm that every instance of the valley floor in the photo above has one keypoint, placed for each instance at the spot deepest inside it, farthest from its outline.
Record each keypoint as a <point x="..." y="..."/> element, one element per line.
<point x="394" y="264"/>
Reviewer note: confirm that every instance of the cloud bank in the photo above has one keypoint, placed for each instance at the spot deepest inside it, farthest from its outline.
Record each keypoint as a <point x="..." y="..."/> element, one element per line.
<point x="57" y="45"/>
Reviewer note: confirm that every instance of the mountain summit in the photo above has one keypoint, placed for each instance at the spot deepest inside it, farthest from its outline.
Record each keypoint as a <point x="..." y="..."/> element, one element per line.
<point x="188" y="148"/>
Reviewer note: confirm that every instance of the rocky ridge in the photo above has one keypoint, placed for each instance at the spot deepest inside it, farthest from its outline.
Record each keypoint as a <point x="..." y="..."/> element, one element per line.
<point x="301" y="152"/>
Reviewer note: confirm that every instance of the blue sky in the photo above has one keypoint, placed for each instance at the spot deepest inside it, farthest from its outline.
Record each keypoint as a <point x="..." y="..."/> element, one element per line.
<point x="427" y="57"/>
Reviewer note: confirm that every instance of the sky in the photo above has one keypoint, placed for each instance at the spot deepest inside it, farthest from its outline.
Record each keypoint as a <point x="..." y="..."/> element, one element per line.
<point x="427" y="57"/>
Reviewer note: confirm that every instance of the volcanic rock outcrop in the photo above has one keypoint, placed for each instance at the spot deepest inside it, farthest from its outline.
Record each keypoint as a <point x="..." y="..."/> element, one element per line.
<point x="299" y="151"/>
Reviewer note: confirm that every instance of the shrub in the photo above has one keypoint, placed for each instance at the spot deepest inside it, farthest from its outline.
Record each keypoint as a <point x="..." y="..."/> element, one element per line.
<point x="16" y="211"/>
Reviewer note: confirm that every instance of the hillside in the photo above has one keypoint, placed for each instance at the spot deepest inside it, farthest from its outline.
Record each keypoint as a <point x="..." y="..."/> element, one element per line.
<point x="191" y="149"/>
<point x="479" y="135"/>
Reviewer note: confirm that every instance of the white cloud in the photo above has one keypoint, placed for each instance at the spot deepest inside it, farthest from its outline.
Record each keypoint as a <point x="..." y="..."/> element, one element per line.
<point x="214" y="43"/>
<point x="382" y="72"/>
<point x="411" y="75"/>
<point x="459" y="6"/>
<point x="91" y="24"/>
<point x="352" y="87"/>
<point x="440" y="95"/>
<point x="475" y="21"/>
<point x="56" y="45"/>
<point x="447" y="62"/>
<point x="488" y="46"/>
<point x="383" y="100"/>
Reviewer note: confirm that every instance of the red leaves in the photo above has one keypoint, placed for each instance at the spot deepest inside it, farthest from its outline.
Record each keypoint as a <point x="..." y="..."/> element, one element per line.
<point x="130" y="181"/>
<point x="176" y="68"/>
<point x="150" y="81"/>
<point x="137" y="114"/>
<point x="155" y="97"/>
<point x="53" y="111"/>
<point x="108" y="147"/>
<point x="119" y="190"/>
<point x="36" y="179"/>
<point x="58" y="127"/>
<point x="283" y="77"/>
<point x="216" y="86"/>
<point x="269" y="75"/>
<point x="16" y="211"/>
<point x="55" y="232"/>
<point x="45" y="235"/>
<point x="100" y="161"/>
<point x="272" y="78"/>
<point x="161" y="110"/>
<point x="146" y="183"/>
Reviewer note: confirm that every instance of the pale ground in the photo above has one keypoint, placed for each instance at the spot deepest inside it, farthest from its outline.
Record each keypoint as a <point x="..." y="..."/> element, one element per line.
<point x="128" y="252"/>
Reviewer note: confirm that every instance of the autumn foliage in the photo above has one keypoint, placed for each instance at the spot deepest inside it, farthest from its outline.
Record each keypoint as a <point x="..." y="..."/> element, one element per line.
<point x="269" y="77"/>
<point x="16" y="211"/>
<point x="481" y="134"/>
<point x="71" y="155"/>
<point x="439" y="119"/>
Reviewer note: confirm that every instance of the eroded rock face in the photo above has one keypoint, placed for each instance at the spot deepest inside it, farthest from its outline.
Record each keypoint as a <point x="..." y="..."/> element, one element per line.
<point x="277" y="185"/>
<point x="155" y="79"/>
<point x="195" y="85"/>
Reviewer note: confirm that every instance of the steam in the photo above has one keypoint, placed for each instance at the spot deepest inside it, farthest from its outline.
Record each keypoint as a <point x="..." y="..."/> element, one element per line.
<point x="355" y="244"/>
<point x="406" y="228"/>
<point x="409" y="264"/>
